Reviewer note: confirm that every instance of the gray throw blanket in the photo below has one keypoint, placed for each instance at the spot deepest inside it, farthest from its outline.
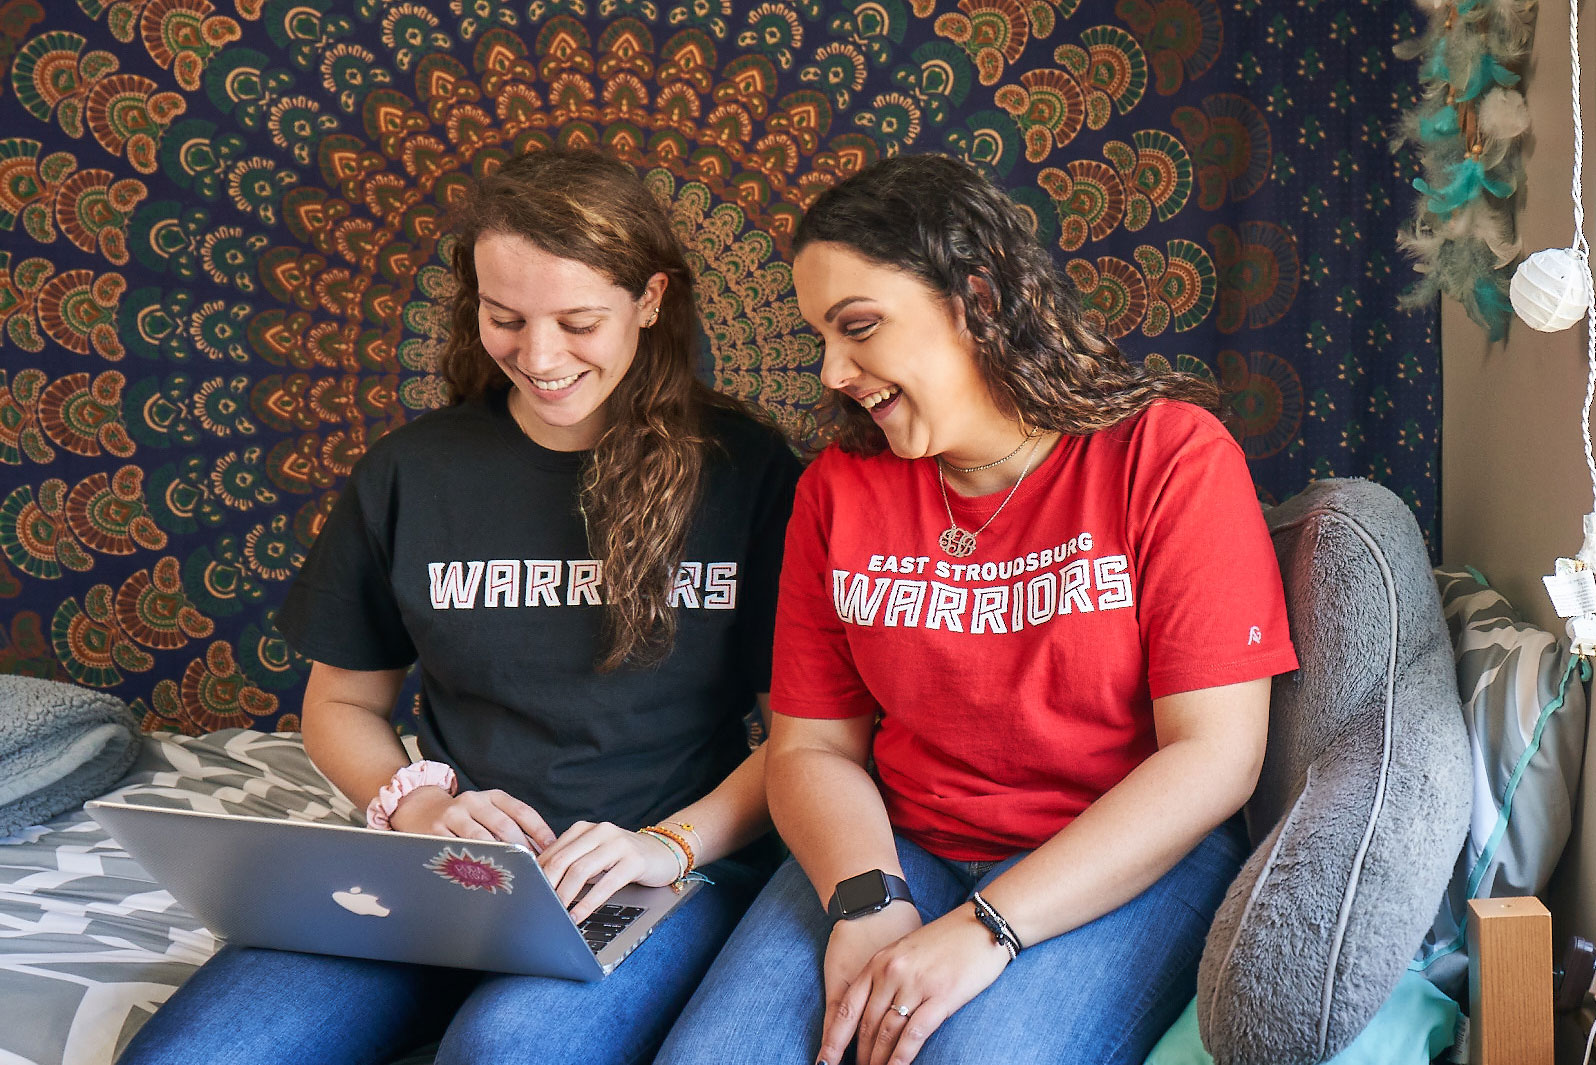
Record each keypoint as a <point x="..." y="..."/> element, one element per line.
<point x="60" y="745"/>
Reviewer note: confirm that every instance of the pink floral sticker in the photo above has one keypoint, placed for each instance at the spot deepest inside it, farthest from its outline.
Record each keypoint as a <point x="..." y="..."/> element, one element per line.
<point x="471" y="872"/>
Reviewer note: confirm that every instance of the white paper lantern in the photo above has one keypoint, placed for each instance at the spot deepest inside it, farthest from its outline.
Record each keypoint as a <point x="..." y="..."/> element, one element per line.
<point x="1548" y="290"/>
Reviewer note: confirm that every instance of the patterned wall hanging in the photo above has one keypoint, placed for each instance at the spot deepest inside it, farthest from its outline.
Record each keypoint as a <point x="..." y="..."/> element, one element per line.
<point x="220" y="252"/>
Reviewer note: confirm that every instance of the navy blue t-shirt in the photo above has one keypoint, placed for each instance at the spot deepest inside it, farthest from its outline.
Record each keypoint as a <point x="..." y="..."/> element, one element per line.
<point x="458" y="542"/>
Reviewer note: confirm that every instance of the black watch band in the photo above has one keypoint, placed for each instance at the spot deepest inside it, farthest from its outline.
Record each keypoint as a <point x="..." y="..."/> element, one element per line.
<point x="867" y="893"/>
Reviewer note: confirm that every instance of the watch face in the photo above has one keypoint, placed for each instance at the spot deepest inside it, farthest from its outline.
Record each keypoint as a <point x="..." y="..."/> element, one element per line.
<point x="864" y="893"/>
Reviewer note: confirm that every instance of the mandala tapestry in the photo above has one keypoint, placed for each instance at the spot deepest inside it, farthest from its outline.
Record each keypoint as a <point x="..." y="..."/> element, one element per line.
<point x="220" y="249"/>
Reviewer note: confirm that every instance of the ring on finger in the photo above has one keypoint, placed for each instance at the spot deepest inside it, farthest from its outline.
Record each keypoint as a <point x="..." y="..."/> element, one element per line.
<point x="901" y="1011"/>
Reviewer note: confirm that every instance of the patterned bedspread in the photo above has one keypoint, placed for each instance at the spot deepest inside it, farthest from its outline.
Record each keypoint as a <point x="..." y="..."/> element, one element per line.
<point x="90" y="946"/>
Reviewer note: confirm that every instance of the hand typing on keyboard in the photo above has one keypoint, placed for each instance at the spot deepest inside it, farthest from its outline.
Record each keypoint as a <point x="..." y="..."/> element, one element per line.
<point x="608" y="857"/>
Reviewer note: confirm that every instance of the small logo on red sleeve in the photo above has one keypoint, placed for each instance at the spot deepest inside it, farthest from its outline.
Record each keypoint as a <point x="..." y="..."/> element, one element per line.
<point x="1254" y="635"/>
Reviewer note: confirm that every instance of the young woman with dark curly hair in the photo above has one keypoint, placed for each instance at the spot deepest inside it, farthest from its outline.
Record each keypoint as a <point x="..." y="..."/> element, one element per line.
<point x="1028" y="617"/>
<point x="581" y="552"/>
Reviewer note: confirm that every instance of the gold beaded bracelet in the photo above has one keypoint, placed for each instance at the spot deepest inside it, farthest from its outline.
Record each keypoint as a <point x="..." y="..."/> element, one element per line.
<point x="675" y="852"/>
<point x="677" y="838"/>
<point x="698" y="841"/>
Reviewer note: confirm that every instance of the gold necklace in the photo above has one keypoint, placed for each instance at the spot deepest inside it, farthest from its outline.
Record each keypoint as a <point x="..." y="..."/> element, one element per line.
<point x="958" y="542"/>
<point x="995" y="462"/>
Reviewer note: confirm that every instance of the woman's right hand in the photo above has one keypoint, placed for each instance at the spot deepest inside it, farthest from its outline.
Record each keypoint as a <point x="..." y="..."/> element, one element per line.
<point x="485" y="815"/>
<point x="852" y="945"/>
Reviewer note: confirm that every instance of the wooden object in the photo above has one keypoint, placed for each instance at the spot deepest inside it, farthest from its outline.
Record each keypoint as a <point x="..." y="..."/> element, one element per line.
<point x="1510" y="982"/>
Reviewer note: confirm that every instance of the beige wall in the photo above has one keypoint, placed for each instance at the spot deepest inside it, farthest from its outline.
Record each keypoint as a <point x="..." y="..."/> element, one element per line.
<point x="1513" y="479"/>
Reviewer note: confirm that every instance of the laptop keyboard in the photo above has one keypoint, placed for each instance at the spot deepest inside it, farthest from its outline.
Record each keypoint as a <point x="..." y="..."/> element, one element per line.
<point x="607" y="922"/>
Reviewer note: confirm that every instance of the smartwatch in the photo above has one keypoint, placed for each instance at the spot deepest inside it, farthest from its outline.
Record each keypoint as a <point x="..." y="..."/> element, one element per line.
<point x="867" y="893"/>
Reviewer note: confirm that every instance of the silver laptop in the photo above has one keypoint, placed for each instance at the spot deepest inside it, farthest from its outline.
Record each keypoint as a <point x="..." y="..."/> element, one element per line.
<point x="393" y="896"/>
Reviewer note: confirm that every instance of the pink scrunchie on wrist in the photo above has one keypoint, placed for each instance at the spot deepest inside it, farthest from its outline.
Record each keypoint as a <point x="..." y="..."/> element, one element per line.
<point x="415" y="775"/>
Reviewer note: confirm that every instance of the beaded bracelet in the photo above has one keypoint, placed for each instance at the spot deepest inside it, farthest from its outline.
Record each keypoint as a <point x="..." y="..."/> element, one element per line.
<point x="994" y="922"/>
<point x="676" y="853"/>
<point x="676" y="838"/>
<point x="690" y="830"/>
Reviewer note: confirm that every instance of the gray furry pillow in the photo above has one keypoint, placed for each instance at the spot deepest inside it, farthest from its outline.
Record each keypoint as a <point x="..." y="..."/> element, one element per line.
<point x="1365" y="792"/>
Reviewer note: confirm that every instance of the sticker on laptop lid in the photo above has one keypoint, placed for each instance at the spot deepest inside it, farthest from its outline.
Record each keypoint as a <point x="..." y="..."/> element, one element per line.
<point x="471" y="872"/>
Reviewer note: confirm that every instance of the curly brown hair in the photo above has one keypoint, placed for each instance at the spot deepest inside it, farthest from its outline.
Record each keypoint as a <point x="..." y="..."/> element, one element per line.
<point x="641" y="481"/>
<point x="939" y="220"/>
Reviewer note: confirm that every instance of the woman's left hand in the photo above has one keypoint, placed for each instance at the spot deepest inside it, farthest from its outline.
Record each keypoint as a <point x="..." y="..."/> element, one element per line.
<point x="932" y="972"/>
<point x="608" y="854"/>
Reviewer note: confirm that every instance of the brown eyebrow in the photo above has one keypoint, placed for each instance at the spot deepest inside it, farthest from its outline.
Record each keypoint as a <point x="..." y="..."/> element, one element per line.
<point x="485" y="298"/>
<point x="836" y="308"/>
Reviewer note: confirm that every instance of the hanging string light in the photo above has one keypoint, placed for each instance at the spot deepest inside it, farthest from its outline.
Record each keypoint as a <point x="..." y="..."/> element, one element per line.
<point x="1549" y="291"/>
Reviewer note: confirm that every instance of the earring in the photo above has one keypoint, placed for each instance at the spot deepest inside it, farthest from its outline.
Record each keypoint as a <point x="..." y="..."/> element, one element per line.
<point x="652" y="318"/>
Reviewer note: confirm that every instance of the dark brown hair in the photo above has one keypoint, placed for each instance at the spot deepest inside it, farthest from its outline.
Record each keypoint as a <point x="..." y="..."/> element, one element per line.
<point x="940" y="221"/>
<point x="640" y="486"/>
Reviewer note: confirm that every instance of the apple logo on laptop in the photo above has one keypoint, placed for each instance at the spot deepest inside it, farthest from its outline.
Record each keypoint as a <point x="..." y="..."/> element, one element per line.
<point x="356" y="901"/>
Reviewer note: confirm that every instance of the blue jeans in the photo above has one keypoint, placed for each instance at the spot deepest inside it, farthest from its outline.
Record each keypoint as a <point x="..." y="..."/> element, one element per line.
<point x="1101" y="994"/>
<point x="268" y="1006"/>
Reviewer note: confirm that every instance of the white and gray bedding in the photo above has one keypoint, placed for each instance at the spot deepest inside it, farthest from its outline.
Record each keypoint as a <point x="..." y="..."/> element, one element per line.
<point x="89" y="944"/>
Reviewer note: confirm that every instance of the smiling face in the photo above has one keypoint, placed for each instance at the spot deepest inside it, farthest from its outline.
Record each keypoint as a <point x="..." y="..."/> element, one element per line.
<point x="902" y="352"/>
<point x="564" y="334"/>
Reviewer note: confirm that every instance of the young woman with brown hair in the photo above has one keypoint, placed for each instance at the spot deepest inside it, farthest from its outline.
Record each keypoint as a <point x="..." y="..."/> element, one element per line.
<point x="581" y="552"/>
<point x="1028" y="617"/>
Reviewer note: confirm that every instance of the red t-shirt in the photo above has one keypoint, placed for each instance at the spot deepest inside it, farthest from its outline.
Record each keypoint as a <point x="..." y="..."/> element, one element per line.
<point x="1015" y="686"/>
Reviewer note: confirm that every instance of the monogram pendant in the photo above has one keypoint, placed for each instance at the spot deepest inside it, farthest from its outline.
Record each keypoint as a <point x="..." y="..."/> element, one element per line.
<point x="960" y="543"/>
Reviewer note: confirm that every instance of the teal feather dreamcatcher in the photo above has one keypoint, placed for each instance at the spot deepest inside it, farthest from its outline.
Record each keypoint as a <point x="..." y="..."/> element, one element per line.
<point x="1468" y="128"/>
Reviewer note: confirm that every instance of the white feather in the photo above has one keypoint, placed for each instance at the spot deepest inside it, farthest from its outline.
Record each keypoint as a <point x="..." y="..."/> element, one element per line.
<point x="1503" y="114"/>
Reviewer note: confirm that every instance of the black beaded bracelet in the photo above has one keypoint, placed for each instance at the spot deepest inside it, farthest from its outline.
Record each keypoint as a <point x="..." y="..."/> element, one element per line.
<point x="994" y="922"/>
